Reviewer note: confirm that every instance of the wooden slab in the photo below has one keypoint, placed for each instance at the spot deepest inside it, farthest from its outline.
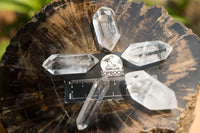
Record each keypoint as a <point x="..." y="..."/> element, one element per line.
<point x="32" y="100"/>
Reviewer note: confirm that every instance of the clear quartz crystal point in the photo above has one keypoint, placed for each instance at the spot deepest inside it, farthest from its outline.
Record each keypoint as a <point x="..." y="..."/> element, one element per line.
<point x="58" y="64"/>
<point x="145" y="53"/>
<point x="105" y="27"/>
<point x="150" y="92"/>
<point x="91" y="104"/>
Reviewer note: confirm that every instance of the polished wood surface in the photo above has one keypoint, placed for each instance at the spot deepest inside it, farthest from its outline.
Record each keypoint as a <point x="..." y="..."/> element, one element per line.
<point x="32" y="99"/>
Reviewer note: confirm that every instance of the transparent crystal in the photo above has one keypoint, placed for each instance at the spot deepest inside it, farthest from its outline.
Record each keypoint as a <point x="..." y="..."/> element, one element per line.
<point x="105" y="27"/>
<point x="91" y="104"/>
<point x="145" y="53"/>
<point x="150" y="92"/>
<point x="58" y="64"/>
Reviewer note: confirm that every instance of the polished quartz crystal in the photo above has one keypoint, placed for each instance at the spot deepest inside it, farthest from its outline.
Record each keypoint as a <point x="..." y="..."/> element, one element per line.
<point x="91" y="104"/>
<point x="150" y="92"/>
<point x="58" y="64"/>
<point x="145" y="53"/>
<point x="105" y="26"/>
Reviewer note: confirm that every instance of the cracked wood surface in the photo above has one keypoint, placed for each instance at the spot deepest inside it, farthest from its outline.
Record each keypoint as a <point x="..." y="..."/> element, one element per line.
<point x="32" y="100"/>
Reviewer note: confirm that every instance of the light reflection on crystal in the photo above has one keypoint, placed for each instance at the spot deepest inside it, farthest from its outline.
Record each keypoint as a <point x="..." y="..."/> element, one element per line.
<point x="145" y="53"/>
<point x="105" y="27"/>
<point x="150" y="92"/>
<point x="69" y="64"/>
<point x="91" y="104"/>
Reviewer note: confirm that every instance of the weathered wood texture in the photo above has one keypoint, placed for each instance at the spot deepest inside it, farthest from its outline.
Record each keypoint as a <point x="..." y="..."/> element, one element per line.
<point x="194" y="126"/>
<point x="28" y="94"/>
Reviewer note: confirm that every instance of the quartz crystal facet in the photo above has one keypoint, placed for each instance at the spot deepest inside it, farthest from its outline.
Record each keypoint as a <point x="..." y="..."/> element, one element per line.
<point x="91" y="104"/>
<point x="69" y="64"/>
<point x="150" y="92"/>
<point x="145" y="53"/>
<point x="105" y="27"/>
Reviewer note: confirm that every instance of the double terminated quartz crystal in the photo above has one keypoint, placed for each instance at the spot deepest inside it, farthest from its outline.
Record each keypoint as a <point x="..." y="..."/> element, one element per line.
<point x="145" y="53"/>
<point x="105" y="27"/>
<point x="69" y="64"/>
<point x="91" y="104"/>
<point x="150" y="92"/>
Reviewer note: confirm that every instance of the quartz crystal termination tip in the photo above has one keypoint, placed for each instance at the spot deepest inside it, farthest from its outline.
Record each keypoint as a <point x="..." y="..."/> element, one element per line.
<point x="145" y="53"/>
<point x="58" y="64"/>
<point x="105" y="27"/>
<point x="150" y="92"/>
<point x="91" y="104"/>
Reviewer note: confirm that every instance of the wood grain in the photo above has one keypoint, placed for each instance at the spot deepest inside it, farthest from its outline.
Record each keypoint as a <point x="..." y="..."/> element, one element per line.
<point x="29" y="101"/>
